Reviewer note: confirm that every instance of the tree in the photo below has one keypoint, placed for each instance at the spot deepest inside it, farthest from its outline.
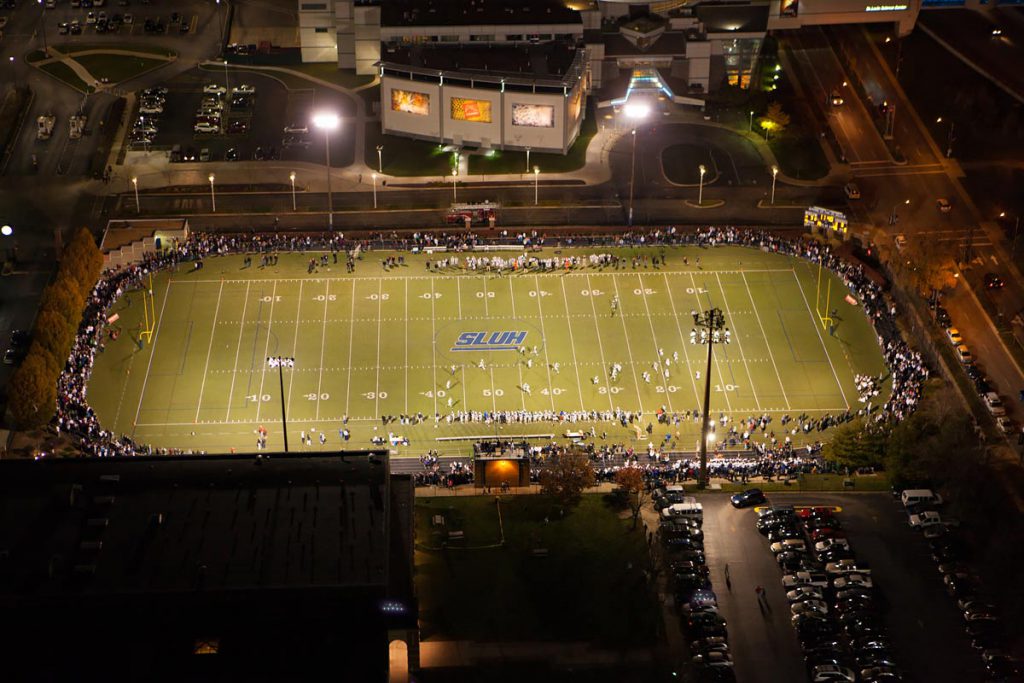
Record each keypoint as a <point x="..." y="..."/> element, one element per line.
<point x="566" y="477"/>
<point x="853" y="446"/>
<point x="82" y="261"/>
<point x="774" y="120"/>
<point x="631" y="481"/>
<point x="54" y="334"/>
<point x="64" y="298"/>
<point x="33" y="391"/>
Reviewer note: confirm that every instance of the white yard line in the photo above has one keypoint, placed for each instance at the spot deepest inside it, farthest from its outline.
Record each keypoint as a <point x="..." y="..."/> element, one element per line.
<point x="824" y="348"/>
<point x="600" y="348"/>
<point x="519" y="364"/>
<point x="266" y="350"/>
<point x="544" y="340"/>
<point x="323" y="344"/>
<point x="739" y="345"/>
<point x="152" y="351"/>
<point x="654" y="339"/>
<point x="206" y="367"/>
<point x="682" y="340"/>
<point x="351" y="333"/>
<point x="782" y="385"/>
<point x="572" y="343"/>
<point x="376" y="387"/>
<point x="625" y="333"/>
<point x="433" y="347"/>
<point x="406" y="335"/>
<point x="238" y="347"/>
<point x="718" y="363"/>
<point x="295" y="346"/>
<point x="458" y="294"/>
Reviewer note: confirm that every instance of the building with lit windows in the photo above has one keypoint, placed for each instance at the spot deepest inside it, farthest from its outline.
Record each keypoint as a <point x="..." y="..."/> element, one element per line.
<point x="509" y="75"/>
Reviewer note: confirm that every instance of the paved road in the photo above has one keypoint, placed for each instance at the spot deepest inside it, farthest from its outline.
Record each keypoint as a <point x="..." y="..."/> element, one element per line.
<point x="919" y="613"/>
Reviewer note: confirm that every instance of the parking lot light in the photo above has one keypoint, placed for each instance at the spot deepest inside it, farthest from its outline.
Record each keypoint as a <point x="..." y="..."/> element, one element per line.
<point x="455" y="196"/>
<point x="328" y="121"/>
<point x="135" y="184"/>
<point x="380" y="159"/>
<point x="374" y="176"/>
<point x="213" y="196"/>
<point x="291" y="177"/>
<point x="775" y="173"/>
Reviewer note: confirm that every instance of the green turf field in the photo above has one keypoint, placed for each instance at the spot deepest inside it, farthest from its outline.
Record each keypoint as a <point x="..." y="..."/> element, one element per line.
<point x="381" y="343"/>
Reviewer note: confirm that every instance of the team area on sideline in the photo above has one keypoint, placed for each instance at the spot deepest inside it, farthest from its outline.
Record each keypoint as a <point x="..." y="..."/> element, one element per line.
<point x="407" y="349"/>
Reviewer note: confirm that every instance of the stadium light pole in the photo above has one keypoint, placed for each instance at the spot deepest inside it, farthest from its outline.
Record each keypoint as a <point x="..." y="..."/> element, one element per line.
<point x="700" y="192"/>
<point x="374" y="176"/>
<point x="637" y="113"/>
<point x="536" y="184"/>
<point x="327" y="122"/>
<point x="713" y="331"/>
<point x="281" y="362"/>
<point x="380" y="159"/>
<point x="135" y="184"/>
<point x="213" y="195"/>
<point x="775" y="173"/>
<point x="291" y="177"/>
<point x="455" y="175"/>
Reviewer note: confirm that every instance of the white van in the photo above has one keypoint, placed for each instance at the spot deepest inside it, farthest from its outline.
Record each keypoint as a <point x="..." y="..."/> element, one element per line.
<point x="689" y="510"/>
<point x="913" y="496"/>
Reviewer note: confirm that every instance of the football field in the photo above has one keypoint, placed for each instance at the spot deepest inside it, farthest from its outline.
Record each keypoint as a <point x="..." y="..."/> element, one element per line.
<point x="407" y="341"/>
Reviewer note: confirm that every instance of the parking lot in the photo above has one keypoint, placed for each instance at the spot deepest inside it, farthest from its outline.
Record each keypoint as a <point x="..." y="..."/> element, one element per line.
<point x="251" y="127"/>
<point x="923" y="624"/>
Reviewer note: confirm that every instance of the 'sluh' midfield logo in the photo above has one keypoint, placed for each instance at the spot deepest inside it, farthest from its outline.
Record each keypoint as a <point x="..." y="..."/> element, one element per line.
<point x="489" y="341"/>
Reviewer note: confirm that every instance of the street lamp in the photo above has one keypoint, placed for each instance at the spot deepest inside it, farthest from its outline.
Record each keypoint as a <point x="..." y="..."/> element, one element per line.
<point x="637" y="112"/>
<point x="750" y="125"/>
<point x="775" y="172"/>
<point x="328" y="121"/>
<point x="455" y="196"/>
<point x="380" y="159"/>
<point x="135" y="184"/>
<point x="893" y="218"/>
<point x="700" y="193"/>
<point x="712" y="331"/>
<point x="949" y="137"/>
<point x="280" y="362"/>
<point x="6" y="231"/>
<point x="291" y="177"/>
<point x="1017" y="227"/>
<point x="527" y="159"/>
<point x="227" y="90"/>
<point x="536" y="181"/>
<point x="374" y="176"/>
<point x="213" y="196"/>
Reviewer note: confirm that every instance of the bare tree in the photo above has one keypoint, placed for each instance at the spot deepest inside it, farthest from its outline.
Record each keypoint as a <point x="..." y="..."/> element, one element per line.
<point x="631" y="481"/>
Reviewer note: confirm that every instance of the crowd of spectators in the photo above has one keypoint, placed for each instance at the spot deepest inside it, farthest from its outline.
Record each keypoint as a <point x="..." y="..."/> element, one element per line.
<point x="75" y="417"/>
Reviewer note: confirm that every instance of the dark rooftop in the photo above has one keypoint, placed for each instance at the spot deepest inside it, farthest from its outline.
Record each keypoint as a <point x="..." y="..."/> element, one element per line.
<point x="471" y="12"/>
<point x="551" y="59"/>
<point x="729" y="18"/>
<point x="668" y="43"/>
<point x="281" y="566"/>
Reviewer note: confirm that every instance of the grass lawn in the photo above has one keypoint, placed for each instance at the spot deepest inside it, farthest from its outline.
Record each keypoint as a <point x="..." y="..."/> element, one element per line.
<point x="384" y="342"/>
<point x="502" y="161"/>
<point x="405" y="157"/>
<point x="590" y="586"/>
<point x="800" y="156"/>
<point x="330" y="72"/>
<point x="682" y="164"/>
<point x="64" y="73"/>
<point x="117" y="68"/>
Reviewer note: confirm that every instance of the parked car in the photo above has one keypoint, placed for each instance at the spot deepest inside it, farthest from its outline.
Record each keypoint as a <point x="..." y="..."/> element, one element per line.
<point x="852" y="581"/>
<point x="993" y="281"/>
<point x="852" y="191"/>
<point x="925" y="519"/>
<point x="244" y="89"/>
<point x="214" y="89"/>
<point x="943" y="205"/>
<point x="994" y="404"/>
<point x="827" y="673"/>
<point x="954" y="337"/>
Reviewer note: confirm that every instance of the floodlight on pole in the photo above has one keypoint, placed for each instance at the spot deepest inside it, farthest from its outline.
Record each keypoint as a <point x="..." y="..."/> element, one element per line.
<point x="700" y="192"/>
<point x="328" y="121"/>
<point x="750" y="126"/>
<point x="213" y="195"/>
<point x="712" y="331"/>
<point x="282" y="362"/>
<point x="775" y="173"/>
<point x="527" y="159"/>
<point x="455" y="196"/>
<point x="135" y="184"/>
<point x="380" y="159"/>
<point x="291" y="177"/>
<point x="536" y="184"/>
